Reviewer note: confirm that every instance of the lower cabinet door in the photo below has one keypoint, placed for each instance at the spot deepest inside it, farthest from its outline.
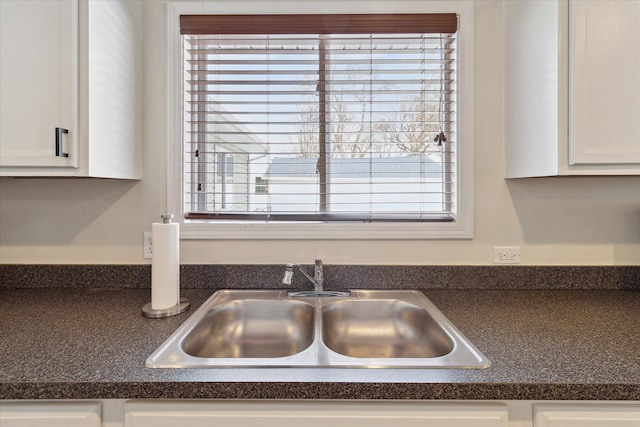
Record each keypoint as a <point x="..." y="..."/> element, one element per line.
<point x="587" y="415"/>
<point x="50" y="414"/>
<point x="314" y="414"/>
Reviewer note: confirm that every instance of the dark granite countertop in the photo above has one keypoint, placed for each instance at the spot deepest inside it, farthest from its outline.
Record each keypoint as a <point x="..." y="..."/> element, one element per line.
<point x="543" y="344"/>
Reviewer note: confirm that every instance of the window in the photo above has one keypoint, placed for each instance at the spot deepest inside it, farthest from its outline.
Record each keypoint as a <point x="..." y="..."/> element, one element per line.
<point x="321" y="119"/>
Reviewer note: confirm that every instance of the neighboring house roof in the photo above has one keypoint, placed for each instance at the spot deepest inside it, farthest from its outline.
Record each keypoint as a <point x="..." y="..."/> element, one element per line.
<point x="400" y="167"/>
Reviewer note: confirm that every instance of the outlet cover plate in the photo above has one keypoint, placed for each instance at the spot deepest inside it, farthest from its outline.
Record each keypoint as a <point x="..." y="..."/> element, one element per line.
<point x="148" y="245"/>
<point x="506" y="254"/>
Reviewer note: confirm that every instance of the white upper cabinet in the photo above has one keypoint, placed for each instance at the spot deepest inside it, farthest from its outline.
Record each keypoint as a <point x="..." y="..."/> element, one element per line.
<point x="38" y="82"/>
<point x="572" y="88"/>
<point x="604" y="84"/>
<point x="71" y="88"/>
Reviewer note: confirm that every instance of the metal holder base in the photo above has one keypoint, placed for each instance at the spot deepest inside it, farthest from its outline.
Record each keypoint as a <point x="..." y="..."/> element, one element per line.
<point x="182" y="306"/>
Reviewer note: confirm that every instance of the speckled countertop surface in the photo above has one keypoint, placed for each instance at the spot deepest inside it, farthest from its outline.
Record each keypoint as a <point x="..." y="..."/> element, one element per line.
<point x="543" y="344"/>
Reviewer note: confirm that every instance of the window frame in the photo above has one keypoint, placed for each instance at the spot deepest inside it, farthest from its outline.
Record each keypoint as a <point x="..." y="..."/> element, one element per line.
<point x="462" y="225"/>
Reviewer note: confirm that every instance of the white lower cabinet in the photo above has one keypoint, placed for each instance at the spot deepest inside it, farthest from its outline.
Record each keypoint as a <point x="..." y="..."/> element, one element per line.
<point x="315" y="414"/>
<point x="50" y="414"/>
<point x="586" y="415"/>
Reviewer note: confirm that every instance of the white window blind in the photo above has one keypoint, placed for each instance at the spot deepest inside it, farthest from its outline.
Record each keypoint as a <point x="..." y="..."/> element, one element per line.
<point x="287" y="119"/>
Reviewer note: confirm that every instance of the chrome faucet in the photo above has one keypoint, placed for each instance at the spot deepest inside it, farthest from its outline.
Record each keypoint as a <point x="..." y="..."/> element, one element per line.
<point x="317" y="279"/>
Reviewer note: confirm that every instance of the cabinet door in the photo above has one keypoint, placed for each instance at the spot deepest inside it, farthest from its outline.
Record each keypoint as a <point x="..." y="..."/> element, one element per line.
<point x="604" y="67"/>
<point x="587" y="415"/>
<point x="50" y="414"/>
<point x="315" y="414"/>
<point x="38" y="82"/>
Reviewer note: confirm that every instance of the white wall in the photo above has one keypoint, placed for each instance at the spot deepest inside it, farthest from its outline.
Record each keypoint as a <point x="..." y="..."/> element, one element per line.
<point x="561" y="221"/>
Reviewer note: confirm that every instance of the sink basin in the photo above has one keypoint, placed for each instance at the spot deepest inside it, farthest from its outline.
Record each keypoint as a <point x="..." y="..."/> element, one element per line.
<point x="385" y="328"/>
<point x="269" y="328"/>
<point x="251" y="328"/>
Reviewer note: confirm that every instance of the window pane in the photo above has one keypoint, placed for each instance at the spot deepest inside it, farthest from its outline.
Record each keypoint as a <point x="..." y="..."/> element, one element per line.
<point x="341" y="126"/>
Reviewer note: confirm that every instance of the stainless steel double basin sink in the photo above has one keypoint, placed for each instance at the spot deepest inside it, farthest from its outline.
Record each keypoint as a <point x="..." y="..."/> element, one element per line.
<point x="270" y="328"/>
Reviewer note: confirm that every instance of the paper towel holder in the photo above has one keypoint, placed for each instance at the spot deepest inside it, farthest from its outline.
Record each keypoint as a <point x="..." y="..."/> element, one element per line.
<point x="182" y="306"/>
<point x="183" y="303"/>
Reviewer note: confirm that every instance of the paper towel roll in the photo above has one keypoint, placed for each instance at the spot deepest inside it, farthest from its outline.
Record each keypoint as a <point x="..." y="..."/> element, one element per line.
<point x="165" y="265"/>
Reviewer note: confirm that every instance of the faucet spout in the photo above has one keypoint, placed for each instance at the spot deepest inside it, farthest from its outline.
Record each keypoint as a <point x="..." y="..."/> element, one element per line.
<point x="317" y="285"/>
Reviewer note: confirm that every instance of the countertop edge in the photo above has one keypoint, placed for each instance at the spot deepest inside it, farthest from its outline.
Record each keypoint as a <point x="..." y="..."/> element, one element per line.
<point x="318" y="391"/>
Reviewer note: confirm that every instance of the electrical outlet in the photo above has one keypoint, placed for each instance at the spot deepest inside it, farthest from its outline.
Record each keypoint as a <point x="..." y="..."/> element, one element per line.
<point x="506" y="254"/>
<point x="148" y="245"/>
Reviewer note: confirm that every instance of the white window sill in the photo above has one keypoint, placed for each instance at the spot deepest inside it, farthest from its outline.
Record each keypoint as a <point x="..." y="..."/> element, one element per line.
<point x="323" y="231"/>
